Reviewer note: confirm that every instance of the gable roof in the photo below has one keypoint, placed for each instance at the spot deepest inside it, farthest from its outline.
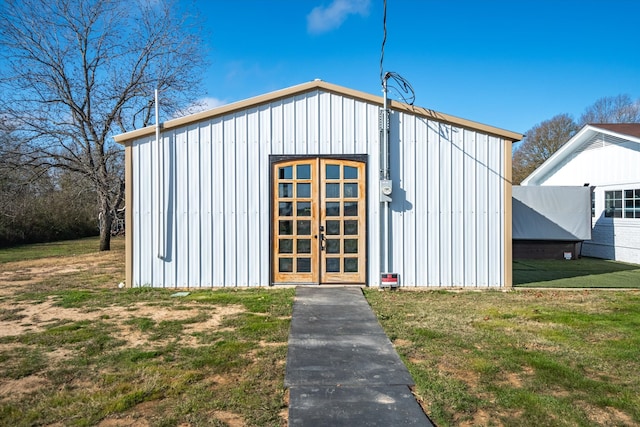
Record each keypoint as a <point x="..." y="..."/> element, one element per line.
<point x="318" y="85"/>
<point x="600" y="133"/>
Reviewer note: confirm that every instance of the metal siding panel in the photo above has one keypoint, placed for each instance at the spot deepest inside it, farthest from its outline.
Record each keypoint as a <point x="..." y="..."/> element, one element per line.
<point x="482" y="205"/>
<point x="348" y="126"/>
<point x="495" y="167"/>
<point x="470" y="190"/>
<point x="337" y="122"/>
<point x="218" y="202"/>
<point x="194" y="218"/>
<point x="325" y="124"/>
<point x="142" y="226"/>
<point x="264" y="130"/>
<point x="182" y="209"/>
<point x="313" y="124"/>
<point x="253" y="199"/>
<point x="206" y="238"/>
<point x="289" y="126"/>
<point x="457" y="206"/>
<point x="277" y="145"/>
<point x="397" y="233"/>
<point x="300" y="122"/>
<point x="420" y="204"/>
<point x="433" y="205"/>
<point x="408" y="196"/>
<point x="241" y="189"/>
<point x="361" y="128"/>
<point x="445" y="205"/>
<point x="229" y="197"/>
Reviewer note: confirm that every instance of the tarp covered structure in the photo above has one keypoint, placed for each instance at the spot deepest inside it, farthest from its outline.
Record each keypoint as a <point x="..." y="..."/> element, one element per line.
<point x="551" y="213"/>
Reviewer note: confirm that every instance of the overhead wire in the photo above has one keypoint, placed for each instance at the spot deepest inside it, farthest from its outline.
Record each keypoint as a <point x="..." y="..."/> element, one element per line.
<point x="402" y="86"/>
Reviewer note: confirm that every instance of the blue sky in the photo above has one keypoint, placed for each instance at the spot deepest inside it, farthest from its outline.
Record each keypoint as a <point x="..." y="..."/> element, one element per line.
<point x="510" y="64"/>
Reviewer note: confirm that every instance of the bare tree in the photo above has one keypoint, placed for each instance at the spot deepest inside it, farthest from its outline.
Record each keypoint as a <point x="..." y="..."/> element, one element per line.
<point x="540" y="143"/>
<point x="612" y="109"/>
<point x="75" y="72"/>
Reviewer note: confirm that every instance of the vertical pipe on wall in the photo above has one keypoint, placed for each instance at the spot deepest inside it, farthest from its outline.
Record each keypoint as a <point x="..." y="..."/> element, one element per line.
<point x="385" y="178"/>
<point x="160" y="182"/>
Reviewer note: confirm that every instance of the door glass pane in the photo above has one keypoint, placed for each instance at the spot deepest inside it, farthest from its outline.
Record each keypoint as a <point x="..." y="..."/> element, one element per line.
<point x="350" y="246"/>
<point x="285" y="191"/>
<point x="285" y="228"/>
<point x="332" y="172"/>
<point x="285" y="265"/>
<point x="285" y="208"/>
<point x="303" y="172"/>
<point x="333" y="191"/>
<point x="285" y="172"/>
<point x="351" y="227"/>
<point x="333" y="265"/>
<point x="351" y="265"/>
<point x="333" y="208"/>
<point x="304" y="208"/>
<point x="350" y="190"/>
<point x="286" y="246"/>
<point x="350" y="172"/>
<point x="333" y="246"/>
<point x="350" y="208"/>
<point x="303" y="265"/>
<point x="333" y="227"/>
<point x="304" y="190"/>
<point x="304" y="228"/>
<point x="304" y="246"/>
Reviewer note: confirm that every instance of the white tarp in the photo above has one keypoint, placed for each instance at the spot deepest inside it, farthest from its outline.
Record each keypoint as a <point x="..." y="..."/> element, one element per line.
<point x="551" y="213"/>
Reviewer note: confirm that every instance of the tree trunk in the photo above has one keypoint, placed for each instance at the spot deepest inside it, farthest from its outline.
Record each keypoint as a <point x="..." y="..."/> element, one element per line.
<point x="105" y="227"/>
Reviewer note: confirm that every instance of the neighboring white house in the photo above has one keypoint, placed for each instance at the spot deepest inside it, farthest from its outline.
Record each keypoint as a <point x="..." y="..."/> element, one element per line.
<point x="607" y="158"/>
<point x="286" y="188"/>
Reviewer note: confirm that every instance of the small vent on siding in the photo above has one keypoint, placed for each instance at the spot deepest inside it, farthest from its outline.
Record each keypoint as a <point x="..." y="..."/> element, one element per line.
<point x="600" y="140"/>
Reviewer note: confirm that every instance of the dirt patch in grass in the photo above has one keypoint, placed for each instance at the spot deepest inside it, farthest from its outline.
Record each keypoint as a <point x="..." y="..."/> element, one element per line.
<point x="15" y="389"/>
<point x="231" y="419"/>
<point x="77" y="350"/>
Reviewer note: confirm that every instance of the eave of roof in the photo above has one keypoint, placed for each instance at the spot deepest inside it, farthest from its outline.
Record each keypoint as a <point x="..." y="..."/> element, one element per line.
<point x="311" y="86"/>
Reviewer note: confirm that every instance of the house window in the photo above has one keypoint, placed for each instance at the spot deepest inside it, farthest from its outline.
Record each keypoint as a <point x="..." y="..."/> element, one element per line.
<point x="622" y="204"/>
<point x="632" y="203"/>
<point x="593" y="204"/>
<point x="613" y="204"/>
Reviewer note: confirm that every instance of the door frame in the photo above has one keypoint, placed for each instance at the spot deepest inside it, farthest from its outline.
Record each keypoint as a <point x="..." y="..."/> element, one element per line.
<point x="277" y="158"/>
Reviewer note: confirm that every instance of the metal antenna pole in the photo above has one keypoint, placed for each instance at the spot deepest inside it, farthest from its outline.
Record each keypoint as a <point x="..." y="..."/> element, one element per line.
<point x="385" y="178"/>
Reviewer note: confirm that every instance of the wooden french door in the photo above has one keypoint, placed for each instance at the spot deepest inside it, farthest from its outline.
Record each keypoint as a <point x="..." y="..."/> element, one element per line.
<point x="319" y="221"/>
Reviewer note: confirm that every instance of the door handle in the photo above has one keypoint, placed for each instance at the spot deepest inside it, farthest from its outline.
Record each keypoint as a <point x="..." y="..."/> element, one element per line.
<point x="322" y="240"/>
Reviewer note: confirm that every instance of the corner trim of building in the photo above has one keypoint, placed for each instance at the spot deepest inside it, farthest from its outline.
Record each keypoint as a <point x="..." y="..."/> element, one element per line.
<point x="128" y="202"/>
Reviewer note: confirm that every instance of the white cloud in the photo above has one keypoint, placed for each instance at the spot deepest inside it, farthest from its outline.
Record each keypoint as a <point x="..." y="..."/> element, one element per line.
<point x="323" y="19"/>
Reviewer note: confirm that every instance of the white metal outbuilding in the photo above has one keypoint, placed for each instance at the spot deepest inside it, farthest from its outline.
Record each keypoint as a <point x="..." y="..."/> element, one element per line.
<point x="284" y="188"/>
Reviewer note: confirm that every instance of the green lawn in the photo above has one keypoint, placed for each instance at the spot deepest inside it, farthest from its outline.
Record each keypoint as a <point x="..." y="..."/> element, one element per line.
<point x="580" y="273"/>
<point x="522" y="358"/>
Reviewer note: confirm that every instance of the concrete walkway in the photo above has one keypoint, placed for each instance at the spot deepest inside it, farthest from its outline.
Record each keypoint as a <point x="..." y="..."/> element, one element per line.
<point x="342" y="370"/>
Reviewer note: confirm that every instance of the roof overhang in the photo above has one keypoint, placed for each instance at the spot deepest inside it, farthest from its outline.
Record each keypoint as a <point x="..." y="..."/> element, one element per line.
<point x="317" y="85"/>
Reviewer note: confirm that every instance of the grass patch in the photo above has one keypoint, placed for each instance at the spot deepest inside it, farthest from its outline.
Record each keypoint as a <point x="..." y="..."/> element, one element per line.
<point x="521" y="358"/>
<point x="579" y="273"/>
<point x="55" y="249"/>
